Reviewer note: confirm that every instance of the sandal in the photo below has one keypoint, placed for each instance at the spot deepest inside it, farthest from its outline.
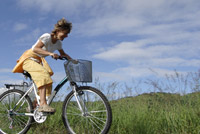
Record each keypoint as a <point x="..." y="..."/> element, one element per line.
<point x="46" y="108"/>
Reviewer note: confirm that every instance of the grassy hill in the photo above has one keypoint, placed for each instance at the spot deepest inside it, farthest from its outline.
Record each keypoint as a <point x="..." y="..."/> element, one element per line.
<point x="154" y="113"/>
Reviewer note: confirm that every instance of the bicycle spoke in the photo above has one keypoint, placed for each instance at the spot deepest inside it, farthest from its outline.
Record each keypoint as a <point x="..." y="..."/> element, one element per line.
<point x="20" y="122"/>
<point x="22" y="119"/>
<point x="73" y="106"/>
<point x="99" y="111"/>
<point x="3" y="115"/>
<point x="95" y="124"/>
<point x="4" y="106"/>
<point x="97" y="107"/>
<point x="5" y="123"/>
<point x="100" y="119"/>
<point x="74" y="114"/>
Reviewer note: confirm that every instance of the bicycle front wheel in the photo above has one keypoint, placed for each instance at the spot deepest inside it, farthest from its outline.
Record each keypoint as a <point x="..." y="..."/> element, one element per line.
<point x="94" y="116"/>
<point x="12" y="117"/>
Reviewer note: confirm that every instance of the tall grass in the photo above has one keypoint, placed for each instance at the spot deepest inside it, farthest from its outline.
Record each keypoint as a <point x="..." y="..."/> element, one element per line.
<point x="167" y="108"/>
<point x="157" y="113"/>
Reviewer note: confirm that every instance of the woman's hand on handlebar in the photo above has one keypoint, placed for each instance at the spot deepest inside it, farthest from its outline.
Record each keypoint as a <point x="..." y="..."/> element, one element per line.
<point x="70" y="59"/>
<point x="55" y="56"/>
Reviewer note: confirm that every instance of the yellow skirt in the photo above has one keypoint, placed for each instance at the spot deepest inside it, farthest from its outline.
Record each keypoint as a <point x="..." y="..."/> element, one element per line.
<point x="39" y="75"/>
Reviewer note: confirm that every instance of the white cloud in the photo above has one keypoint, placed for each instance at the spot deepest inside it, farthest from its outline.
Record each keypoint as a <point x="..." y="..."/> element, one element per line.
<point x="143" y="51"/>
<point x="30" y="38"/>
<point x="58" y="76"/>
<point x="5" y="70"/>
<point x="19" y="27"/>
<point x="126" y="74"/>
<point x="127" y="16"/>
<point x="2" y="90"/>
<point x="45" y="6"/>
<point x="7" y="77"/>
<point x="132" y="17"/>
<point x="9" y="80"/>
<point x="141" y="55"/>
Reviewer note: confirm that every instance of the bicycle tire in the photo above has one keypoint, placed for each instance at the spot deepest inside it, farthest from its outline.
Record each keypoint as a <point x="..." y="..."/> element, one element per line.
<point x="93" y="119"/>
<point x="13" y="119"/>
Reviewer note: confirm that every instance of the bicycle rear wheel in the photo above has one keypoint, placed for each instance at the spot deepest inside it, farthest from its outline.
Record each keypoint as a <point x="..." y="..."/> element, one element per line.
<point x="12" y="118"/>
<point x="95" y="117"/>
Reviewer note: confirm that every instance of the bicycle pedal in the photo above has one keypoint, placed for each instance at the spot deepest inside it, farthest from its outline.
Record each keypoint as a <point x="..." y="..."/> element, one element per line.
<point x="48" y="113"/>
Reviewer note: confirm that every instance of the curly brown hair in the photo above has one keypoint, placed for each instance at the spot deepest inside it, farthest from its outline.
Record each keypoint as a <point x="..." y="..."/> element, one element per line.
<point x="61" y="25"/>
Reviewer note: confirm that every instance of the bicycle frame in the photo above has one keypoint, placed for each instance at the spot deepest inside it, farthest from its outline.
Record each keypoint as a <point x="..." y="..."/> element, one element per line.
<point x="53" y="94"/>
<point x="56" y="90"/>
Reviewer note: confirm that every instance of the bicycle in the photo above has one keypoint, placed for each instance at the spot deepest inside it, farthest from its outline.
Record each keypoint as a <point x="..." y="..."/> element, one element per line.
<point x="85" y="109"/>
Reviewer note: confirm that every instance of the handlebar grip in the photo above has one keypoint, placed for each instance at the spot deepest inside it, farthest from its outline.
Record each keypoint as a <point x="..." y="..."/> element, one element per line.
<point x="62" y="58"/>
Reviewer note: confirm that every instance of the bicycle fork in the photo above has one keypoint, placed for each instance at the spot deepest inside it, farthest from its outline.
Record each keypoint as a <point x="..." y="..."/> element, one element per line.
<point x="79" y="101"/>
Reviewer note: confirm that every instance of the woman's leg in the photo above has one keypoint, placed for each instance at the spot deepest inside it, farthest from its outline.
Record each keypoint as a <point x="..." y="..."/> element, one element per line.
<point x="43" y="102"/>
<point x="42" y="79"/>
<point x="44" y="107"/>
<point x="42" y="93"/>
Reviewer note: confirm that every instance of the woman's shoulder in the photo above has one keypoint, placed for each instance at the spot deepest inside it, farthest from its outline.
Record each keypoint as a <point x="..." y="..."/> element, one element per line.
<point x="46" y="35"/>
<point x="45" y="38"/>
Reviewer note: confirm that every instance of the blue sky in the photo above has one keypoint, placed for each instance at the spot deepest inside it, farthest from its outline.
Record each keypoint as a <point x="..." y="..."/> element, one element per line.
<point x="125" y="39"/>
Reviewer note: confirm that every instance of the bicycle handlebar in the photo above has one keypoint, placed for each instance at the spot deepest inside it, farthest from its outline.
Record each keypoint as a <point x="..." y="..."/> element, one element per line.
<point x="69" y="60"/>
<point x="62" y="58"/>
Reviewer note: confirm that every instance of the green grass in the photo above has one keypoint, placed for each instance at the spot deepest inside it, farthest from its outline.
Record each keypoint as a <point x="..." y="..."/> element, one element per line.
<point x="155" y="113"/>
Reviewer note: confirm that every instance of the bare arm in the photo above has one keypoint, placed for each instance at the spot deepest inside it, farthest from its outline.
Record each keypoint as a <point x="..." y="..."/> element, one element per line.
<point x="63" y="54"/>
<point x="38" y="49"/>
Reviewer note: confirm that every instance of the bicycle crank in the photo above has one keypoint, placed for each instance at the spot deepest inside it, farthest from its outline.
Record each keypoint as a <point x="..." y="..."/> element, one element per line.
<point x="39" y="117"/>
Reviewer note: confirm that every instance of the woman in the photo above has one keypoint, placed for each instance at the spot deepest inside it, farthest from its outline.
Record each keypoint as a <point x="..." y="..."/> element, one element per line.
<point x="34" y="63"/>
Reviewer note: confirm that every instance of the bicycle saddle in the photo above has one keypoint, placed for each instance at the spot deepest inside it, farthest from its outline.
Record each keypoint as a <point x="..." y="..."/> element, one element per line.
<point x="26" y="74"/>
